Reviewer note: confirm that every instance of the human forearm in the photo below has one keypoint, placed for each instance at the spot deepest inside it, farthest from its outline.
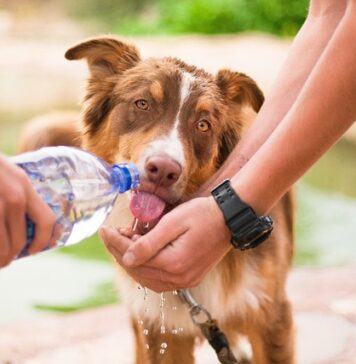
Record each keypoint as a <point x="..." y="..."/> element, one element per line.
<point x="323" y="111"/>
<point x="306" y="49"/>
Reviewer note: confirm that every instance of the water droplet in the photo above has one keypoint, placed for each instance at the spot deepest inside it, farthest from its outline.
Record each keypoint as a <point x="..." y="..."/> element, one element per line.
<point x="134" y="224"/>
<point x="161" y="313"/>
<point x="180" y="329"/>
<point x="145" y="293"/>
<point x="145" y="332"/>
<point x="164" y="345"/>
<point x="140" y="322"/>
<point x="162" y="351"/>
<point x="147" y="225"/>
<point x="174" y="308"/>
<point x="147" y="346"/>
<point x="174" y="331"/>
<point x="175" y="293"/>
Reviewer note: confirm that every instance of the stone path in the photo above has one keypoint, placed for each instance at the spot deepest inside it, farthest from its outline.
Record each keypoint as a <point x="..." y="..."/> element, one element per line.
<point x="325" y="310"/>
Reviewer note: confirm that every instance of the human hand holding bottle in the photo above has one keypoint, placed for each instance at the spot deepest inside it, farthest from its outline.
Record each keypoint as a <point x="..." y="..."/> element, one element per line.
<point x="18" y="198"/>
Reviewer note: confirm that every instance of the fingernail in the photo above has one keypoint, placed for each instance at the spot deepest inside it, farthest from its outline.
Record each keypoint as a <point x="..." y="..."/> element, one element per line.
<point x="129" y="259"/>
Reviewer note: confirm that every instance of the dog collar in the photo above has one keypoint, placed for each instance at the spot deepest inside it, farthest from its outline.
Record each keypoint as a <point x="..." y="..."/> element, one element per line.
<point x="247" y="229"/>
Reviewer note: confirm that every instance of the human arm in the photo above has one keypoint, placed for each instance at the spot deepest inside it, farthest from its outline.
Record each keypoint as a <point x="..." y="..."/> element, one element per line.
<point x="323" y="111"/>
<point x="17" y="198"/>
<point x="306" y="49"/>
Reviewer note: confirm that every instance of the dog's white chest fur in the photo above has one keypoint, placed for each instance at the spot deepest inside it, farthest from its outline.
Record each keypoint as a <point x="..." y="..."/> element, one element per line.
<point x="246" y="296"/>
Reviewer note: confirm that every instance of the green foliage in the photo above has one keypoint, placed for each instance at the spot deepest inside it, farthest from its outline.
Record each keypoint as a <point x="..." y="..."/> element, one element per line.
<point x="279" y="17"/>
<point x="219" y="16"/>
<point x="108" y="12"/>
<point x="329" y="174"/>
<point x="104" y="294"/>
<point x="91" y="248"/>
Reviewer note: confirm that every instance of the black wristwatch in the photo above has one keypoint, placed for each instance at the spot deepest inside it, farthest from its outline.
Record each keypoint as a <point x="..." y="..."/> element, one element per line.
<point x="247" y="229"/>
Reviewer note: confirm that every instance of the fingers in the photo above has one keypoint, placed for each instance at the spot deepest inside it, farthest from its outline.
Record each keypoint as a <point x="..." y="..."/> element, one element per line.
<point x="44" y="219"/>
<point x="154" y="279"/>
<point x="147" y="246"/>
<point x="15" y="221"/>
<point x="115" y="240"/>
<point x="5" y="256"/>
<point x="150" y="277"/>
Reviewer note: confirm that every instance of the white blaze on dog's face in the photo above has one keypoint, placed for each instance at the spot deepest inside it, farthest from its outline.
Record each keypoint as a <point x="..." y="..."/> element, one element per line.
<point x="177" y="123"/>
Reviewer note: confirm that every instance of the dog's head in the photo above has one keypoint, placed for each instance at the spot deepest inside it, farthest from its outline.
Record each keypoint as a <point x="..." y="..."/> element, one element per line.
<point x="177" y="123"/>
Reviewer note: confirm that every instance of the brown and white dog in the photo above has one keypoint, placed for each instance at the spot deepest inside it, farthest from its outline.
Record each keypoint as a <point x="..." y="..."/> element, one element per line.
<point x="178" y="124"/>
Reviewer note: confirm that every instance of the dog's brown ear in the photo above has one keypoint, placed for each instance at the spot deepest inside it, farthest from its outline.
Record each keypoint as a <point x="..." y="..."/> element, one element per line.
<point x="239" y="91"/>
<point x="106" y="58"/>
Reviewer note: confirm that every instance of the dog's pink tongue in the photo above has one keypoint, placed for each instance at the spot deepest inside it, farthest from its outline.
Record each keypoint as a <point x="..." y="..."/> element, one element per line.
<point x="146" y="206"/>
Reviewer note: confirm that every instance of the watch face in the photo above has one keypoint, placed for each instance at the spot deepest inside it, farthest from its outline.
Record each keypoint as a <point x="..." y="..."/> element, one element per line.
<point x="255" y="235"/>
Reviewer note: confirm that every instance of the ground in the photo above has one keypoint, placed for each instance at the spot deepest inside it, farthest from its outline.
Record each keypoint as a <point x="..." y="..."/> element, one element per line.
<point x="324" y="302"/>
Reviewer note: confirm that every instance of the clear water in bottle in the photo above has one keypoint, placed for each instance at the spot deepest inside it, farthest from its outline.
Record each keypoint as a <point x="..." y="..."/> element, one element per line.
<point x="79" y="187"/>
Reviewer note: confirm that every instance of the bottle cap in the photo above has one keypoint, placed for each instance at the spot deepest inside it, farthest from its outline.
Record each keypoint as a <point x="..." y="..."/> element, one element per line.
<point x="125" y="176"/>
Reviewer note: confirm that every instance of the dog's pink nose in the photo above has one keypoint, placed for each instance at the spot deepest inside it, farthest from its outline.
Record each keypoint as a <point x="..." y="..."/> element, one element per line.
<point x="162" y="170"/>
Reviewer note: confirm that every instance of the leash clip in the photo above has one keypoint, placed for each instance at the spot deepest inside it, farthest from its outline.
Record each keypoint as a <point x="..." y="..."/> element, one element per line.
<point x="195" y="309"/>
<point x="201" y="317"/>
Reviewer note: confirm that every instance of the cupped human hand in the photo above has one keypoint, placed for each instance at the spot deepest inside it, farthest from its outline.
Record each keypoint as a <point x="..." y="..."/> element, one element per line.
<point x="18" y="198"/>
<point x="178" y="252"/>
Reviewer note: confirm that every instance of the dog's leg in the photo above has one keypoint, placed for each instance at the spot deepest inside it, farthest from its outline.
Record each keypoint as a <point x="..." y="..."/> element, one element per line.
<point x="141" y="352"/>
<point x="273" y="343"/>
<point x="179" y="348"/>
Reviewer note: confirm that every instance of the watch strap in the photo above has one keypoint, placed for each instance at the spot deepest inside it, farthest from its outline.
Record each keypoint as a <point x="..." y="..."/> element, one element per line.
<point x="247" y="229"/>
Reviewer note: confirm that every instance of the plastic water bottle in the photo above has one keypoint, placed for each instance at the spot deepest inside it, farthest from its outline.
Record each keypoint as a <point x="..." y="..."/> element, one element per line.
<point x="79" y="187"/>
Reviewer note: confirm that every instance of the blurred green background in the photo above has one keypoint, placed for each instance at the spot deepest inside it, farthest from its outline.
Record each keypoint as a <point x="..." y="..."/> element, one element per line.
<point x="35" y="79"/>
<point x="174" y="17"/>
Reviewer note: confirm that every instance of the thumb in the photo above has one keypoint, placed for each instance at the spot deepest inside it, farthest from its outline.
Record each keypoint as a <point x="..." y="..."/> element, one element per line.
<point x="146" y="247"/>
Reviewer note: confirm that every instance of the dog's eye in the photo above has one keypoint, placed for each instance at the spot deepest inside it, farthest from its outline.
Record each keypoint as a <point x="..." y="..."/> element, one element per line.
<point x="142" y="104"/>
<point x="203" y="126"/>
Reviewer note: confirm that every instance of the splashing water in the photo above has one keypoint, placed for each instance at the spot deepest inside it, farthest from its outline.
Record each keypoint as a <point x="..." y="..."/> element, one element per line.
<point x="161" y="313"/>
<point x="162" y="301"/>
<point x="163" y="348"/>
